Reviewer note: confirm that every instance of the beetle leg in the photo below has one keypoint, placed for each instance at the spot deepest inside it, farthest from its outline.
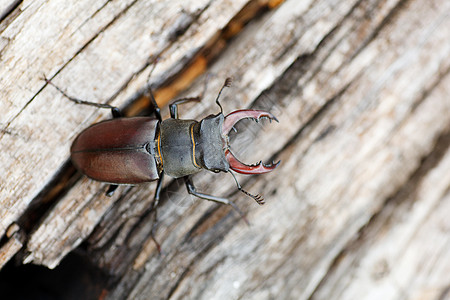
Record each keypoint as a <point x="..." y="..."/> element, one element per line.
<point x="191" y="190"/>
<point x="155" y="105"/>
<point x="111" y="189"/>
<point x="174" y="105"/>
<point x="154" y="209"/>
<point x="116" y="113"/>
<point x="148" y="92"/>
<point x="156" y="198"/>
<point x="114" y="110"/>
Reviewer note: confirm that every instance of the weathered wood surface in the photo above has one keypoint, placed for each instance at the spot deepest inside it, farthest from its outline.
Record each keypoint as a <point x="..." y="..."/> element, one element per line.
<point x="358" y="208"/>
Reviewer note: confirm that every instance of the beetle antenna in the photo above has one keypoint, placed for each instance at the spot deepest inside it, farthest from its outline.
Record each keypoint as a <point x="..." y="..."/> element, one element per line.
<point x="227" y="83"/>
<point x="258" y="198"/>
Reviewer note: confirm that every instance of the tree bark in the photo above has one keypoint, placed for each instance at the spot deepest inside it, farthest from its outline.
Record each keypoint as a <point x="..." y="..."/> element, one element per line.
<point x="357" y="208"/>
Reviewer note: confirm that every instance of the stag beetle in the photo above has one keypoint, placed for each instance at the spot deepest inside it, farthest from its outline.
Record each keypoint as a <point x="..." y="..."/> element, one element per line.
<point x="133" y="150"/>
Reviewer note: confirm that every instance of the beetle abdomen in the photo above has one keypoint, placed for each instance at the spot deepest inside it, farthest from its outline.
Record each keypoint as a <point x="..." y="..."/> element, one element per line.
<point x="118" y="151"/>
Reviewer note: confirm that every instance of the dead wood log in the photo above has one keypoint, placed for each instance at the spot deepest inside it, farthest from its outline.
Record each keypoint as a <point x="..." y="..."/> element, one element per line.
<point x="358" y="207"/>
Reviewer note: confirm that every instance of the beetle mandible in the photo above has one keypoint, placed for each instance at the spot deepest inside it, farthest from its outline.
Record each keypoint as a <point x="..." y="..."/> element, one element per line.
<point x="133" y="150"/>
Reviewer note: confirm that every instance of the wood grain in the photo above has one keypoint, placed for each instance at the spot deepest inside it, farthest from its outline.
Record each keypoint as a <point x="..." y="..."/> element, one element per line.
<point x="356" y="210"/>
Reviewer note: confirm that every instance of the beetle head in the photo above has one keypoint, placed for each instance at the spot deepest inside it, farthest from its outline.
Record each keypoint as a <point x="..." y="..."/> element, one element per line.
<point x="228" y="161"/>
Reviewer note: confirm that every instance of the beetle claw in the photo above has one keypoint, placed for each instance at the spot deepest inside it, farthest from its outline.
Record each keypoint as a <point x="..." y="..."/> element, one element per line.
<point x="232" y="118"/>
<point x="240" y="167"/>
<point x="236" y="165"/>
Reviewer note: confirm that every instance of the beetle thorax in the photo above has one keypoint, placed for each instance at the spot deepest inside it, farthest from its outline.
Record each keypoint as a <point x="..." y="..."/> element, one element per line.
<point x="187" y="146"/>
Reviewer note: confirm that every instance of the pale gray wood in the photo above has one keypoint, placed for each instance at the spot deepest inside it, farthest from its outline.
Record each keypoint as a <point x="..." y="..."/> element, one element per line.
<point x="353" y="212"/>
<point x="403" y="254"/>
<point x="15" y="241"/>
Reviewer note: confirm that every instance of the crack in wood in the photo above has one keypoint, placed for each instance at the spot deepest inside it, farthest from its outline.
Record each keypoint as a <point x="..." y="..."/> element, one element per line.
<point x="381" y="25"/>
<point x="9" y="10"/>
<point x="405" y="194"/>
